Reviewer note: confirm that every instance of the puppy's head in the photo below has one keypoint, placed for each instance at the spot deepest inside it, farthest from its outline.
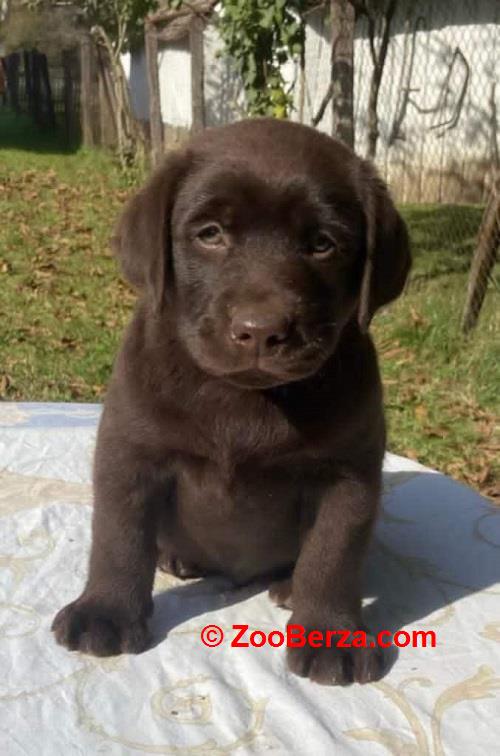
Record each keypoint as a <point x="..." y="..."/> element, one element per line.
<point x="262" y="240"/>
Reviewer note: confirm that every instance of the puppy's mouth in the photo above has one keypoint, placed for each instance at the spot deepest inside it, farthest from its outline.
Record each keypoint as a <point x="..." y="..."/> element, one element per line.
<point x="267" y="372"/>
<point x="256" y="380"/>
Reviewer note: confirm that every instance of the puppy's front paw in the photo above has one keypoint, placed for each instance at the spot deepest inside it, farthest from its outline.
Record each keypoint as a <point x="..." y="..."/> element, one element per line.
<point x="280" y="592"/>
<point x="334" y="664"/>
<point x="94" y="626"/>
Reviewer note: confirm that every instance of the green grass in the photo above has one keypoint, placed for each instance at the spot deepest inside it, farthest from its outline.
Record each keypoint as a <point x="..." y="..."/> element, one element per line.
<point x="442" y="388"/>
<point x="63" y="306"/>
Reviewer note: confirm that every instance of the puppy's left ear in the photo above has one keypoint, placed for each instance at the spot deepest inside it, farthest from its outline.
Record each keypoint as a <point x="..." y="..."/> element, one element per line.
<point x="388" y="257"/>
<point x="141" y="240"/>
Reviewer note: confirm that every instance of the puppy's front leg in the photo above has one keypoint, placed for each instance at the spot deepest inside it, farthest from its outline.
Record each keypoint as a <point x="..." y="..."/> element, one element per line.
<point x="326" y="593"/>
<point x="111" y="614"/>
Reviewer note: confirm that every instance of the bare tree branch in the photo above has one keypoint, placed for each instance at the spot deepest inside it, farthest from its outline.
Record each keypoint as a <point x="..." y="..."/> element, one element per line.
<point x="323" y="105"/>
<point x="378" y="60"/>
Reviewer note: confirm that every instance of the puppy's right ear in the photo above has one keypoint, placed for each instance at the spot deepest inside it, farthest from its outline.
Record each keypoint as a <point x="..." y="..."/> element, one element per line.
<point x="388" y="257"/>
<point x="141" y="240"/>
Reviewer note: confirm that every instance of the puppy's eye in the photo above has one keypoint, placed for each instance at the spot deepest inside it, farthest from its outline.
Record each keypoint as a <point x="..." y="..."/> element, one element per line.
<point x="211" y="235"/>
<point x="322" y="244"/>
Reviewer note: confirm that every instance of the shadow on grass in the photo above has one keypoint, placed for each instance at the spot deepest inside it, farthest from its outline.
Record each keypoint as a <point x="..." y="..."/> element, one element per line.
<point x="443" y="237"/>
<point x="18" y="132"/>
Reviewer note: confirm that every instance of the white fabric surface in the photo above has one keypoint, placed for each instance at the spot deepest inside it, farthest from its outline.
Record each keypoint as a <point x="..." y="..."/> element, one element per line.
<point x="434" y="565"/>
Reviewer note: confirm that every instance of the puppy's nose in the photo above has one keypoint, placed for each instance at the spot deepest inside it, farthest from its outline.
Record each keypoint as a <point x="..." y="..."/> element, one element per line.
<point x="259" y="331"/>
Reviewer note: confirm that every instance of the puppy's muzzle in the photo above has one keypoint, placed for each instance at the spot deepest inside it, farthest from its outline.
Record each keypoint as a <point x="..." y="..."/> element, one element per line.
<point x="259" y="332"/>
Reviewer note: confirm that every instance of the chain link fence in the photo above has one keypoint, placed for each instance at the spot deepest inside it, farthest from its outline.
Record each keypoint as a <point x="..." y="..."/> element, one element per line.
<point x="438" y="105"/>
<point x="436" y="135"/>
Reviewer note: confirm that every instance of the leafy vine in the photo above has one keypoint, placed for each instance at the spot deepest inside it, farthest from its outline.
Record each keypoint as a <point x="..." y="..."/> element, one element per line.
<point x="260" y="36"/>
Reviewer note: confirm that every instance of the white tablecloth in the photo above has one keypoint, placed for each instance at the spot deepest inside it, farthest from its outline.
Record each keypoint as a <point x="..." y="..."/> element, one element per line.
<point x="434" y="564"/>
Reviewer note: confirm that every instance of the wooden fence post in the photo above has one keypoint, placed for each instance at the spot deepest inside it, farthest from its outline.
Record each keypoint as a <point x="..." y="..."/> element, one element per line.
<point x="12" y="70"/>
<point x="28" y="80"/>
<point x="86" y="94"/>
<point x="37" y="90"/>
<point x="342" y="61"/>
<point x="108" y="114"/>
<point x="197" y="68"/>
<point x="68" y="96"/>
<point x="155" y="119"/>
<point x="488" y="243"/>
<point x="49" y="115"/>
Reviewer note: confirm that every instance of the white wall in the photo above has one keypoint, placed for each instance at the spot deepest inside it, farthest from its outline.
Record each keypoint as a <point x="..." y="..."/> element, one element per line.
<point x="424" y="163"/>
<point x="224" y="95"/>
<point x="174" y="73"/>
<point x="174" y="62"/>
<point x="426" y="156"/>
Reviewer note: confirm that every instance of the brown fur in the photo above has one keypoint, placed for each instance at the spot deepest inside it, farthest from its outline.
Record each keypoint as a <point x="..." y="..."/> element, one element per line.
<point x="243" y="431"/>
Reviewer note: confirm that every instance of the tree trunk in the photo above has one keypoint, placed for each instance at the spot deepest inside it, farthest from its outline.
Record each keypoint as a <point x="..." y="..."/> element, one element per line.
<point x="69" y="121"/>
<point x="37" y="90"/>
<point x="484" y="258"/>
<point x="342" y="70"/>
<point x="373" y="132"/>
<point x="12" y="73"/>
<point x="49" y="113"/>
<point x="86" y="94"/>
<point x="28" y="80"/>
<point x="130" y="141"/>
<point x="155" y="120"/>
<point x="378" y="61"/>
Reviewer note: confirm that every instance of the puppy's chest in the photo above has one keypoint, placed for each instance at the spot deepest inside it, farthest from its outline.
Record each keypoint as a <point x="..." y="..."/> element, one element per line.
<point x="205" y="489"/>
<point x="258" y="432"/>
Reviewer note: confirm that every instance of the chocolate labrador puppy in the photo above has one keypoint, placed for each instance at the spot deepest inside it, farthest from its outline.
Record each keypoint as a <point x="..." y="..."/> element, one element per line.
<point x="243" y="431"/>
